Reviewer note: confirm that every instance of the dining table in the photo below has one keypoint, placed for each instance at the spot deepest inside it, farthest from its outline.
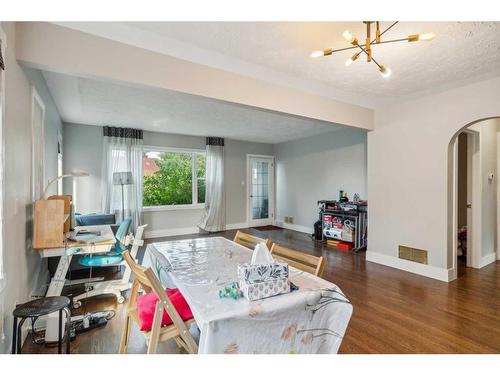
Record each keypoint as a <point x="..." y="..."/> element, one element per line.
<point x="312" y="318"/>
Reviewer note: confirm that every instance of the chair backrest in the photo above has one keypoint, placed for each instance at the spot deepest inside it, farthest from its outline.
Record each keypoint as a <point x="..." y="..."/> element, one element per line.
<point x="149" y="282"/>
<point x="138" y="271"/>
<point x="297" y="259"/>
<point x="250" y="241"/>
<point x="121" y="233"/>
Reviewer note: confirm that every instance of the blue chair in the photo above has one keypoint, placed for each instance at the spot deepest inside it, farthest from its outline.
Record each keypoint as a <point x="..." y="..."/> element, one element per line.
<point x="114" y="256"/>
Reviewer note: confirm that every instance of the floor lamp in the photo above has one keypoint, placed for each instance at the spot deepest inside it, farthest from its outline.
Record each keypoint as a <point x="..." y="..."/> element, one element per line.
<point x="122" y="178"/>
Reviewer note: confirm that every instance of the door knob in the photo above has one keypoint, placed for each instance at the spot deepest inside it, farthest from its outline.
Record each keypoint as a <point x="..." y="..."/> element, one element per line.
<point x="469" y="205"/>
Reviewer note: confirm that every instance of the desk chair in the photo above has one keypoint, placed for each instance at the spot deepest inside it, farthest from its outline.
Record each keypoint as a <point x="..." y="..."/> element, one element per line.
<point x="250" y="241"/>
<point x="297" y="259"/>
<point x="146" y="280"/>
<point x="112" y="258"/>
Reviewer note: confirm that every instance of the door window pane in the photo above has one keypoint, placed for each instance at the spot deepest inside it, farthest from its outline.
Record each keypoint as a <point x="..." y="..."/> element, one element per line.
<point x="260" y="190"/>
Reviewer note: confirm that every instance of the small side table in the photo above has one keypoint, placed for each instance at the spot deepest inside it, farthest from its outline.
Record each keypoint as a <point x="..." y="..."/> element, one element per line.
<point x="37" y="308"/>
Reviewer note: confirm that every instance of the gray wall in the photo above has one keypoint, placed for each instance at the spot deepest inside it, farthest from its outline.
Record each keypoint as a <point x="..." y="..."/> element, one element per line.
<point x="22" y="265"/>
<point x="315" y="168"/>
<point x="83" y="150"/>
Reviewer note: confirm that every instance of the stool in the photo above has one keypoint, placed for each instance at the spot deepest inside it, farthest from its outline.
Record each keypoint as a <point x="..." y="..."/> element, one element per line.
<point x="35" y="309"/>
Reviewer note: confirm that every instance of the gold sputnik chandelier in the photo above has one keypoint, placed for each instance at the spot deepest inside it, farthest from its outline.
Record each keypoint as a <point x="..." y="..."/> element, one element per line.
<point x="366" y="48"/>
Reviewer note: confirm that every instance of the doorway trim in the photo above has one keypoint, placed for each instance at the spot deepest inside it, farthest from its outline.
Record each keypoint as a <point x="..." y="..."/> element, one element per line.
<point x="272" y="191"/>
<point x="476" y="184"/>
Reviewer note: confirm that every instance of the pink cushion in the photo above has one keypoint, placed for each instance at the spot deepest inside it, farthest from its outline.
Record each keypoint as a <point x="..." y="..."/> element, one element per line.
<point x="146" y="308"/>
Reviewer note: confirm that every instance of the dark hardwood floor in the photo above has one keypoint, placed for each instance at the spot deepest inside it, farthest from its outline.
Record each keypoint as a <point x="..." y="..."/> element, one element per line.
<point x="394" y="311"/>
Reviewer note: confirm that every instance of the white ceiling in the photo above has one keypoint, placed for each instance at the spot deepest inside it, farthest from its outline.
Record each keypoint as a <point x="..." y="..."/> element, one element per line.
<point x="462" y="52"/>
<point x="96" y="102"/>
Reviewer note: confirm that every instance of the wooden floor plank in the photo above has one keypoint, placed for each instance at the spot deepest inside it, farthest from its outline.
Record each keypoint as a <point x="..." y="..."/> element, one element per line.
<point x="393" y="311"/>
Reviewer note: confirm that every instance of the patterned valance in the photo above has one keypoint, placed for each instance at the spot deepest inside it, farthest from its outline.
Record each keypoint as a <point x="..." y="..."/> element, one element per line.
<point x="215" y="141"/>
<point x="2" y="63"/>
<point x="111" y="131"/>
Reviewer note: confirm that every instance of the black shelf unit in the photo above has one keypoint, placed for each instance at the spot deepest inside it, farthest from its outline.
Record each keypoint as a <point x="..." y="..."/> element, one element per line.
<point x="357" y="215"/>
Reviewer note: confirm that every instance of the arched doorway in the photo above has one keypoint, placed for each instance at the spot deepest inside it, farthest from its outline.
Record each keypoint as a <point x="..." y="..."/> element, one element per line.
<point x="482" y="189"/>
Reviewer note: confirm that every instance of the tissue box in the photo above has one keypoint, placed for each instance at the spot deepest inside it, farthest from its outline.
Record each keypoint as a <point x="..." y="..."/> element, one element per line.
<point x="256" y="273"/>
<point x="259" y="281"/>
<point x="264" y="289"/>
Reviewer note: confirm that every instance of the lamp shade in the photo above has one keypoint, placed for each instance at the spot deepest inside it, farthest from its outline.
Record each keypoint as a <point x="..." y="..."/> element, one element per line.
<point x="122" y="178"/>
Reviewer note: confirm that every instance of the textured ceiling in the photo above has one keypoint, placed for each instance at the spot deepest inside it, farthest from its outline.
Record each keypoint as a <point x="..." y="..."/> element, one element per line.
<point x="94" y="102"/>
<point x="462" y="52"/>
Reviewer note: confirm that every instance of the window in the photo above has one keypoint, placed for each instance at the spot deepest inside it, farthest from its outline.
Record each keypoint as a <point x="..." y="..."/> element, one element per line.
<point x="173" y="177"/>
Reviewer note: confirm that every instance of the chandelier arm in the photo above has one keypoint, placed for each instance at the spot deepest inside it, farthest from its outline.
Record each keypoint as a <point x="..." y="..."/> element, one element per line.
<point x="344" y="49"/>
<point x="394" y="40"/>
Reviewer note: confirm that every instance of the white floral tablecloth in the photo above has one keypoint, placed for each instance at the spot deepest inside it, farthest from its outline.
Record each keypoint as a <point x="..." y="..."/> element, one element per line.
<point x="312" y="319"/>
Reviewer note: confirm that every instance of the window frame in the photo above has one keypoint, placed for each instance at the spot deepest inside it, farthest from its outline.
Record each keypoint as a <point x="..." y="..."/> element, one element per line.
<point x="194" y="178"/>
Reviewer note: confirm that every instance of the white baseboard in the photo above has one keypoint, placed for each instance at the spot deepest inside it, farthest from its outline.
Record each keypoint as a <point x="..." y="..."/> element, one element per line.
<point x="170" y="232"/>
<point x="236" y="226"/>
<point x="487" y="259"/>
<point x="182" y="231"/>
<point x="437" y="273"/>
<point x="297" y="228"/>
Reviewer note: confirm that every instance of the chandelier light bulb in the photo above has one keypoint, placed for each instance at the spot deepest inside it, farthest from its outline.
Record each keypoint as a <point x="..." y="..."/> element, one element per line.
<point x="348" y="36"/>
<point x="350" y="60"/>
<point x="426" y="36"/>
<point x="316" y="54"/>
<point x="385" y="72"/>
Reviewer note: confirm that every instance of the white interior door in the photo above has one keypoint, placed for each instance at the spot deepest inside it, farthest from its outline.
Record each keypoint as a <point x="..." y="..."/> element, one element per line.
<point x="260" y="191"/>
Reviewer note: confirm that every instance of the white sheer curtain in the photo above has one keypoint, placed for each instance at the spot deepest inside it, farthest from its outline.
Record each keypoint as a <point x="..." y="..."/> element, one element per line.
<point x="214" y="215"/>
<point x="122" y="151"/>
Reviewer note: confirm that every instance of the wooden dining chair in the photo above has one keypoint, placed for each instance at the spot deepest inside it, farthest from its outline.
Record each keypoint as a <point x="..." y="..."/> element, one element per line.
<point x="297" y="259"/>
<point x="250" y="241"/>
<point x="146" y="280"/>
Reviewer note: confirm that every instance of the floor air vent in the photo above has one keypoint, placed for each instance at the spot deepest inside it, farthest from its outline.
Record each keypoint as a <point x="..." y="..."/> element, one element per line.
<point x="412" y="254"/>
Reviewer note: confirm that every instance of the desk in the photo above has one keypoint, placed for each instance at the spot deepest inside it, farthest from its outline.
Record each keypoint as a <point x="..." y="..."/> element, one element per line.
<point x="310" y="320"/>
<point x="66" y="253"/>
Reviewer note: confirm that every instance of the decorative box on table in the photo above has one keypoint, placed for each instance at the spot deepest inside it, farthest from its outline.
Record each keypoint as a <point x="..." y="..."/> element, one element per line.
<point x="259" y="281"/>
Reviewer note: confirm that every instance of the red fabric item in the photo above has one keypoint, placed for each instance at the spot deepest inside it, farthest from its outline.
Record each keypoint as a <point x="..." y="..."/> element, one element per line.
<point x="146" y="308"/>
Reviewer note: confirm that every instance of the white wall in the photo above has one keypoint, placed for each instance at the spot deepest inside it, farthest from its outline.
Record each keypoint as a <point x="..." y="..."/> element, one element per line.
<point x="21" y="264"/>
<point x="83" y="150"/>
<point x="408" y="173"/>
<point x="315" y="168"/>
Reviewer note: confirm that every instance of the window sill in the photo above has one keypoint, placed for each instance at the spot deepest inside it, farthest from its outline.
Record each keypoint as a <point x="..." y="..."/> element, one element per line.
<point x="179" y="207"/>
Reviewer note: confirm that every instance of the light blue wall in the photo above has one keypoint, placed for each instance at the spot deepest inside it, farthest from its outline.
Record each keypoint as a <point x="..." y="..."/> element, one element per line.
<point x="316" y="168"/>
